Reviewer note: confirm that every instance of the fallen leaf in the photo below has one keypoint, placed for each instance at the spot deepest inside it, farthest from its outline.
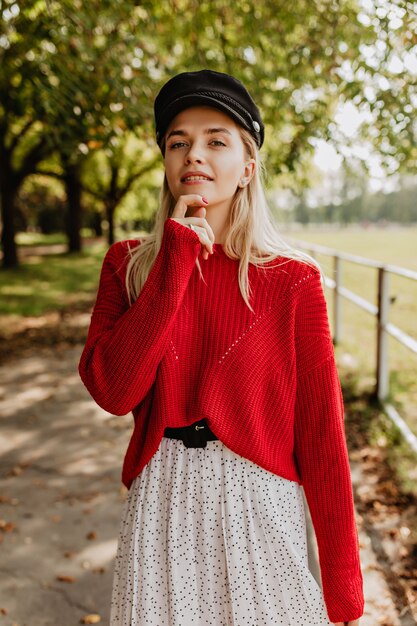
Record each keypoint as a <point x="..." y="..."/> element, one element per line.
<point x="69" y="554"/>
<point x="8" y="500"/>
<point x="7" y="527"/>
<point x="92" y="618"/>
<point x="66" y="579"/>
<point x="372" y="566"/>
<point x="15" y="471"/>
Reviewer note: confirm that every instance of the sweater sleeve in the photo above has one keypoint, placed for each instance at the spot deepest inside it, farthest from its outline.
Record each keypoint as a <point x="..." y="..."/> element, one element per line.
<point x="125" y="344"/>
<point x="322" y="456"/>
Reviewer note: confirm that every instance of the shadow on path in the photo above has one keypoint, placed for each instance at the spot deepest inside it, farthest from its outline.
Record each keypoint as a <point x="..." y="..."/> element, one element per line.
<point x="61" y="498"/>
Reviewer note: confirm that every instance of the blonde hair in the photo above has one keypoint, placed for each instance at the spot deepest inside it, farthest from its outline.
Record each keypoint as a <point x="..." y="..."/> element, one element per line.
<point x="252" y="234"/>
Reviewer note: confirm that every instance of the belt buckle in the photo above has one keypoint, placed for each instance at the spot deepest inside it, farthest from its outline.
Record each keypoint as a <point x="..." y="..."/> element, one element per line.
<point x="193" y="439"/>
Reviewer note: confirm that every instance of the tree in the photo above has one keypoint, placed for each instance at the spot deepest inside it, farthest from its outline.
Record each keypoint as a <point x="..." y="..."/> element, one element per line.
<point x="78" y="75"/>
<point x="23" y="143"/>
<point x="301" y="60"/>
<point x="114" y="172"/>
<point x="70" y="85"/>
<point x="99" y="98"/>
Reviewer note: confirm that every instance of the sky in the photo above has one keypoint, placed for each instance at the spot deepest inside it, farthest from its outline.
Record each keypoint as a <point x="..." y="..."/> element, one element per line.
<point x="328" y="160"/>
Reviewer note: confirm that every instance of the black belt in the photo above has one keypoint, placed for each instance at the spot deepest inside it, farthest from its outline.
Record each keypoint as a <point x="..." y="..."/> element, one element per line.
<point x="193" y="436"/>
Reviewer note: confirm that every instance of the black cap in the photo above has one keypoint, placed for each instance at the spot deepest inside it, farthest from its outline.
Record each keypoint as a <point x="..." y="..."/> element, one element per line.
<point x="210" y="88"/>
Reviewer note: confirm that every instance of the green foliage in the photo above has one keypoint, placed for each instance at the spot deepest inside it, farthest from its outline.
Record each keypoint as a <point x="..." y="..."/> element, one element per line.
<point x="41" y="206"/>
<point x="23" y="35"/>
<point x="89" y="71"/>
<point x="68" y="77"/>
<point x="125" y="175"/>
<point x="88" y="82"/>
<point x="397" y="206"/>
<point x="80" y="78"/>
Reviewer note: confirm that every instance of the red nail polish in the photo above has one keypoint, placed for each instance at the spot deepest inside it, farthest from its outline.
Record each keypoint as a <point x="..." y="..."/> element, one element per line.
<point x="204" y="199"/>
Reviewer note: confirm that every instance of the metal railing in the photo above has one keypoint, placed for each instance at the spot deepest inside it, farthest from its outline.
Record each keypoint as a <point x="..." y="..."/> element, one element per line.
<point x="384" y="327"/>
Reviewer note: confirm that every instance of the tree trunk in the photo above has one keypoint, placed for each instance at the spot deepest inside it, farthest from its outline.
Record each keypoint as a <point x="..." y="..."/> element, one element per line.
<point x="111" y="203"/>
<point x="96" y="224"/>
<point x="110" y="210"/>
<point x="11" y="181"/>
<point x="74" y="215"/>
<point x="8" y="241"/>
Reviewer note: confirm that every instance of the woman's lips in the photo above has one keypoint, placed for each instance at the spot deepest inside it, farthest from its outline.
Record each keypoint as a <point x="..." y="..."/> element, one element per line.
<point x="195" y="182"/>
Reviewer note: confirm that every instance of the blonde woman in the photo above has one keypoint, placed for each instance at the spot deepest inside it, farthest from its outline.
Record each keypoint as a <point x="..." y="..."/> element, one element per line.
<point x="215" y="334"/>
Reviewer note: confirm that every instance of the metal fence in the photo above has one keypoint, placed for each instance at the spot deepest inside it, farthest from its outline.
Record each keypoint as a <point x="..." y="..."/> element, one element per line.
<point x="384" y="328"/>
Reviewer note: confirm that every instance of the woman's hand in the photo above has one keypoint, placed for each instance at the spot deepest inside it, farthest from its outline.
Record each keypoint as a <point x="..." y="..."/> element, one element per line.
<point x="195" y="203"/>
<point x="355" y="622"/>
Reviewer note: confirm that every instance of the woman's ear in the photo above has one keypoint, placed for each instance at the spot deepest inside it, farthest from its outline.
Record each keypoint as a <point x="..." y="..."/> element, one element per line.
<point x="248" y="173"/>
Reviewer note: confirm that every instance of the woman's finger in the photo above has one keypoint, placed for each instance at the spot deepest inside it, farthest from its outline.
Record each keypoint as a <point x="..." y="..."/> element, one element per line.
<point x="188" y="201"/>
<point x="185" y="201"/>
<point x="203" y="223"/>
<point x="201" y="226"/>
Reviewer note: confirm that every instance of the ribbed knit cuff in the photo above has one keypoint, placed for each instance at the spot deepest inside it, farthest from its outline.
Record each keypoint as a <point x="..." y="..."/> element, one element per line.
<point x="172" y="228"/>
<point x="172" y="268"/>
<point x="343" y="594"/>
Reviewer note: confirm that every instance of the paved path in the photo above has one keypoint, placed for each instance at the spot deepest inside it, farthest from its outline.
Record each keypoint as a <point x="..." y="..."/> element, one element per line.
<point x="61" y="499"/>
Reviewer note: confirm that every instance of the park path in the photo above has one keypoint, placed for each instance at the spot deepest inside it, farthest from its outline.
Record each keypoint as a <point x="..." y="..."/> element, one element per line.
<point x="61" y="499"/>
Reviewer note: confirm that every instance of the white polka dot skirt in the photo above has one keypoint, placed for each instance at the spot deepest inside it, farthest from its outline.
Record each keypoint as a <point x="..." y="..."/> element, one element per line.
<point x="209" y="538"/>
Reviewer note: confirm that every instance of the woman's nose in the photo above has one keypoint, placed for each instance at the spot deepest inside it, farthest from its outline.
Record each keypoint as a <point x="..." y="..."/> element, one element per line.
<point x="194" y="154"/>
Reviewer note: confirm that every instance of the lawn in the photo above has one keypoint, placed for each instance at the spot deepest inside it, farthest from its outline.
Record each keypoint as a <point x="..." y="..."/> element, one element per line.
<point x="51" y="282"/>
<point x="395" y="246"/>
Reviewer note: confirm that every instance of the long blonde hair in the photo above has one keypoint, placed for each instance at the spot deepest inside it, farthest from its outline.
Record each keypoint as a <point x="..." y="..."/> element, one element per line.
<point x="252" y="234"/>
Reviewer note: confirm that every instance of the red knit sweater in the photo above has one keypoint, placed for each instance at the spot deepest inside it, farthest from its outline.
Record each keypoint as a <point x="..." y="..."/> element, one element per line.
<point x="266" y="381"/>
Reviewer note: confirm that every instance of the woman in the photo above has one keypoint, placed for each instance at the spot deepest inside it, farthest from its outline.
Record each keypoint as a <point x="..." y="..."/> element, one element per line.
<point x="214" y="333"/>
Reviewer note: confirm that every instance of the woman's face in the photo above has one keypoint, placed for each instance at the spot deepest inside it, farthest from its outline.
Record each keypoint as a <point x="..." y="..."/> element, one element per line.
<point x="207" y="140"/>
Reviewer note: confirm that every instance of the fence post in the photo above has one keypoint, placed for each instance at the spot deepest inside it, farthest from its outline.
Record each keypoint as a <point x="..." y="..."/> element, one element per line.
<point x="337" y="300"/>
<point x="382" y="369"/>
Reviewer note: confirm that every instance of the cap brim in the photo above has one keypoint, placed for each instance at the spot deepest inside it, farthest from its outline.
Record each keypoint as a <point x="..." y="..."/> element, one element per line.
<point x="184" y="102"/>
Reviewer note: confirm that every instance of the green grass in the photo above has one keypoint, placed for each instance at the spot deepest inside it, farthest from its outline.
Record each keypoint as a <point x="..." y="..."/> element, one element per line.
<point x="38" y="239"/>
<point x="51" y="282"/>
<point x="396" y="246"/>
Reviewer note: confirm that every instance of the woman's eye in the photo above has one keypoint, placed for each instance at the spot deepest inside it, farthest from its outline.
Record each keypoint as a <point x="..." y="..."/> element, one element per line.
<point x="175" y="144"/>
<point x="179" y="143"/>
